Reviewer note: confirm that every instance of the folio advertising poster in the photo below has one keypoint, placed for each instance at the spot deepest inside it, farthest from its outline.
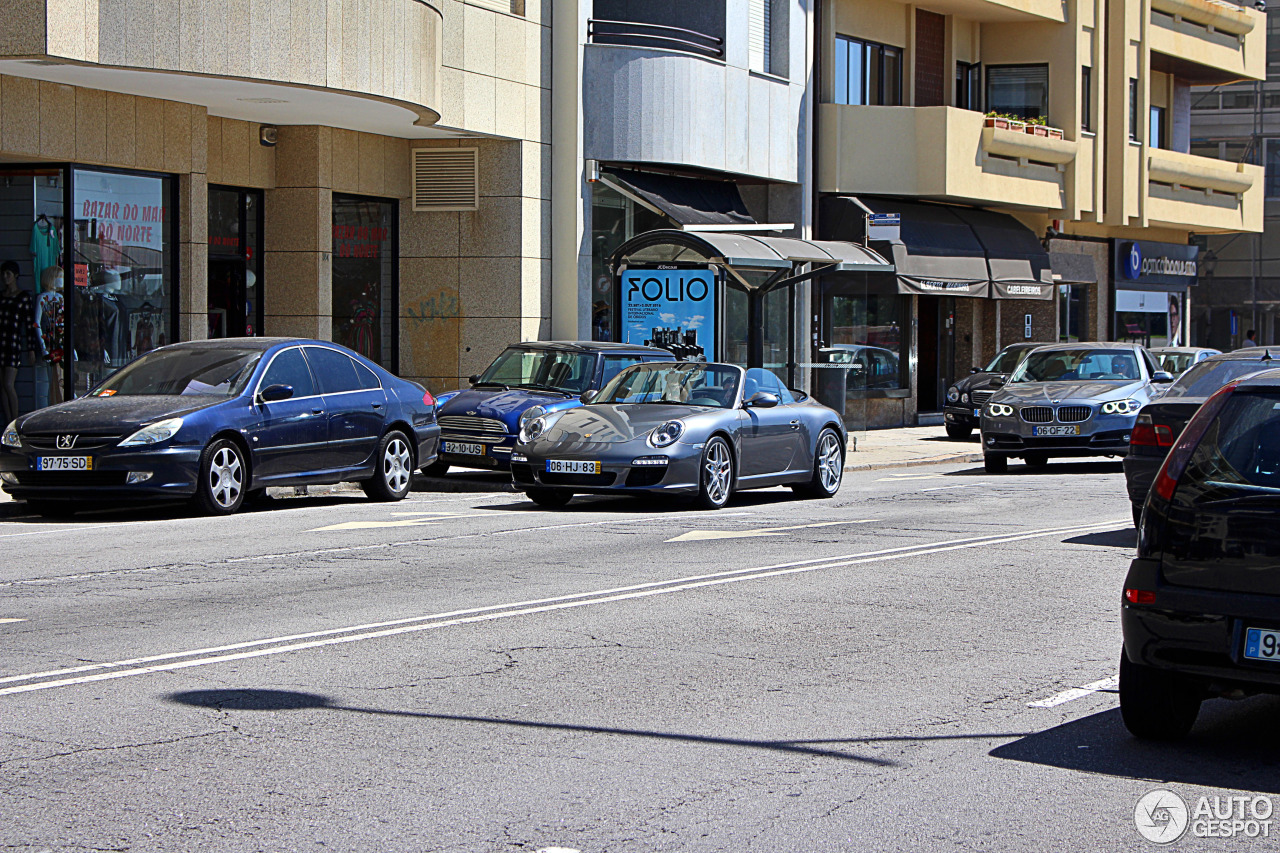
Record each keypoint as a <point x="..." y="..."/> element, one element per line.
<point x="670" y="308"/>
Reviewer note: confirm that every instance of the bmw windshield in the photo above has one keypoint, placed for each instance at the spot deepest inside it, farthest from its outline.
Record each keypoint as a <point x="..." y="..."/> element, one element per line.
<point x="213" y="371"/>
<point x="692" y="383"/>
<point x="1078" y="365"/>
<point x="546" y="370"/>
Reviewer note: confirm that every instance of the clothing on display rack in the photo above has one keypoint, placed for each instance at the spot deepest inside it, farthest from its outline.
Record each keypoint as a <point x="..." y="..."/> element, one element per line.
<point x="17" y="323"/>
<point x="51" y="324"/>
<point x="46" y="246"/>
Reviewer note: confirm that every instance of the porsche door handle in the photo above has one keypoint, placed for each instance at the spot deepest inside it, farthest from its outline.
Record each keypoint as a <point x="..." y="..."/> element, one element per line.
<point x="795" y="425"/>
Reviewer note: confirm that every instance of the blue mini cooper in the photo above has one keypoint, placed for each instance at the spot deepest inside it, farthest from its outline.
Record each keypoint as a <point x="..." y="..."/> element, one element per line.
<point x="479" y="425"/>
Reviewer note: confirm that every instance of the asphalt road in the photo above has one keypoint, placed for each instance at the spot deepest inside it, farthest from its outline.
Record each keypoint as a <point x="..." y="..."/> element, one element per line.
<point x="895" y="669"/>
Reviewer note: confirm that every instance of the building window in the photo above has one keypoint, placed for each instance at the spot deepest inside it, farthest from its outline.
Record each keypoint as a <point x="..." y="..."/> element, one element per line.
<point x="1273" y="168"/>
<point x="364" y="277"/>
<point x="1133" y="109"/>
<point x="1086" y="97"/>
<point x="759" y="39"/>
<point x="1158" y="129"/>
<point x="867" y="73"/>
<point x="615" y="219"/>
<point x="1238" y="100"/>
<point x="969" y="85"/>
<point x="1206" y="100"/>
<point x="1021" y="91"/>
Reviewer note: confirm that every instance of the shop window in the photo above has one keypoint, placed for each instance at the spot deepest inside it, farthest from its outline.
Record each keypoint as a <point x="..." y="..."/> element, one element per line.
<point x="235" y="262"/>
<point x="365" y="277"/>
<point x="777" y="316"/>
<point x="122" y="282"/>
<point x="969" y="85"/>
<point x="1018" y="90"/>
<point x="866" y="335"/>
<point x="1143" y="317"/>
<point x="1073" y="313"/>
<point x="867" y="73"/>
<point x="615" y="219"/>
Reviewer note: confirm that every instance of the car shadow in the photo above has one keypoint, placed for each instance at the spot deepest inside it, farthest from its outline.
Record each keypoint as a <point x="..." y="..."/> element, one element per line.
<point x="1234" y="745"/>
<point x="1017" y="468"/>
<point x="648" y="504"/>
<point x="171" y="510"/>
<point x="1125" y="537"/>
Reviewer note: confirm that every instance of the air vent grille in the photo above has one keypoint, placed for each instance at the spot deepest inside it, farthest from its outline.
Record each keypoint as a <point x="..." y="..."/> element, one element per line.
<point x="445" y="179"/>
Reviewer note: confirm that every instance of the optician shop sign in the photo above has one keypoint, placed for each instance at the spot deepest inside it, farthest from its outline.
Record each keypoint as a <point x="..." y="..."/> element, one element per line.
<point x="669" y="307"/>
<point x="1142" y="265"/>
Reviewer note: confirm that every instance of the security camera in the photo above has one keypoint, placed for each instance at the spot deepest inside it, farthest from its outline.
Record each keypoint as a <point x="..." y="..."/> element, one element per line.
<point x="1260" y="5"/>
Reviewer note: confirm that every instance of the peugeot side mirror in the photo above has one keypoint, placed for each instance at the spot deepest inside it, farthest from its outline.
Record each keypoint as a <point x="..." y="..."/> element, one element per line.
<point x="275" y="393"/>
<point x="1162" y="376"/>
<point x="762" y="400"/>
<point x="473" y="378"/>
<point x="588" y="395"/>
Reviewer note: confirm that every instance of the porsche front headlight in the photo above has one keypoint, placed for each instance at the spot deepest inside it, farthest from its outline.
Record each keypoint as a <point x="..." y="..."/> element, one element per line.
<point x="531" y="429"/>
<point x="11" y="438"/>
<point x="154" y="434"/>
<point x="667" y="434"/>
<point x="1121" y="407"/>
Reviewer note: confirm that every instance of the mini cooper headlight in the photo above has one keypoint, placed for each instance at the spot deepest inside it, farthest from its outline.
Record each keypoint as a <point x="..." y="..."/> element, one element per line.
<point x="667" y="434"/>
<point x="1121" y="407"/>
<point x="11" y="436"/>
<point x="531" y="429"/>
<point x="953" y="394"/>
<point x="154" y="434"/>
<point x="999" y="410"/>
<point x="531" y="413"/>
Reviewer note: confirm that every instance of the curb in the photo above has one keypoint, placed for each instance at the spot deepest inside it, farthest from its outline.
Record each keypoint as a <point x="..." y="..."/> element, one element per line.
<point x="911" y="463"/>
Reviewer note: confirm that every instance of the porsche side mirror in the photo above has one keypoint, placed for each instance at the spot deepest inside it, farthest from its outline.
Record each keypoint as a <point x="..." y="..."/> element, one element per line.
<point x="473" y="378"/>
<point x="1162" y="376"/>
<point x="998" y="381"/>
<point x="276" y="393"/>
<point x="762" y="400"/>
<point x="588" y="395"/>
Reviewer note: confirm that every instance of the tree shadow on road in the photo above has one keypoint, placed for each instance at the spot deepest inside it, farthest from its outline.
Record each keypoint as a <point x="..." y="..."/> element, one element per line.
<point x="1234" y="745"/>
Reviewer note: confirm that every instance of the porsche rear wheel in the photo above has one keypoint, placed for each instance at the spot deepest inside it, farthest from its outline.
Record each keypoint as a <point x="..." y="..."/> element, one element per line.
<point x="715" y="480"/>
<point x="828" y="468"/>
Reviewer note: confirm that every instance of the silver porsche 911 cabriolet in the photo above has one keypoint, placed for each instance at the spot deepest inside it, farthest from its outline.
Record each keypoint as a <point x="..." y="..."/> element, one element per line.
<point x="702" y="430"/>
<point x="1069" y="400"/>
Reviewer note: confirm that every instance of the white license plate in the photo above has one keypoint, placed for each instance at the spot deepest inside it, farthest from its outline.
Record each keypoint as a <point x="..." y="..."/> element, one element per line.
<point x="977" y="413"/>
<point x="572" y="466"/>
<point x="64" y="463"/>
<point x="1262" y="644"/>
<point x="464" y="449"/>
<point x="1056" y="430"/>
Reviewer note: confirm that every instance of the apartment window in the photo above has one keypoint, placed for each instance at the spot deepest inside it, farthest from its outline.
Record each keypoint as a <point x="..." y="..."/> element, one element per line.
<point x="1086" y="97"/>
<point x="1157" y="129"/>
<point x="867" y="73"/>
<point x="1273" y="168"/>
<point x="969" y="85"/>
<point x="1205" y="100"/>
<point x="758" y="36"/>
<point x="1018" y="90"/>
<point x="1238" y="100"/>
<point x="1133" y="108"/>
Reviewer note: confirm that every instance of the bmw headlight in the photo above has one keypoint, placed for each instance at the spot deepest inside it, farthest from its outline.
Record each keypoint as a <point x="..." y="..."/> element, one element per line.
<point x="531" y="413"/>
<point x="531" y="429"/>
<point x="154" y="434"/>
<point x="953" y="394"/>
<point x="1121" y="407"/>
<point x="667" y="434"/>
<point x="999" y="410"/>
<point x="11" y="436"/>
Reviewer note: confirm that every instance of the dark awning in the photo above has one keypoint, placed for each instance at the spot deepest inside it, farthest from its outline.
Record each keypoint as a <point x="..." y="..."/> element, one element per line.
<point x="1018" y="263"/>
<point x="935" y="253"/>
<point x="1071" y="268"/>
<point x="687" y="201"/>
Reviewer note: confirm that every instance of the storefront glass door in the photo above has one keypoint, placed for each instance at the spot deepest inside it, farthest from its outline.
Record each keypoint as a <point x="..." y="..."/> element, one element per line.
<point x="235" y="262"/>
<point x="777" y="334"/>
<point x="365" y="277"/>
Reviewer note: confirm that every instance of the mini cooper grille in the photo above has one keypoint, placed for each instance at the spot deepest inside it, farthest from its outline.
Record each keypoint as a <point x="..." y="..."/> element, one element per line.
<point x="1037" y="414"/>
<point x="1074" y="414"/>
<point x="981" y="397"/>
<point x="463" y="424"/>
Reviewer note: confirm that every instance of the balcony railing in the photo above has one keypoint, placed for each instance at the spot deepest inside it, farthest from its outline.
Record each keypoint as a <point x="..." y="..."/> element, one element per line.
<point x="637" y="34"/>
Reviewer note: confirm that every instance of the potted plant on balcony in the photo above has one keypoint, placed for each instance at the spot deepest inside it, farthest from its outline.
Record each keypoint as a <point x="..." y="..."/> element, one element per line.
<point x="1004" y="121"/>
<point x="1037" y="126"/>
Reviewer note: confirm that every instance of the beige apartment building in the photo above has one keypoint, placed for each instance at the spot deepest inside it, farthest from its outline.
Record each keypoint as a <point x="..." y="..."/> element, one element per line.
<point x="1073" y="227"/>
<point x="373" y="172"/>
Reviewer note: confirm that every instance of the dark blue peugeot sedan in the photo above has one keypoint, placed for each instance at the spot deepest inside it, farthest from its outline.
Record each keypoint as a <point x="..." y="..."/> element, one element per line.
<point x="479" y="424"/>
<point x="217" y="422"/>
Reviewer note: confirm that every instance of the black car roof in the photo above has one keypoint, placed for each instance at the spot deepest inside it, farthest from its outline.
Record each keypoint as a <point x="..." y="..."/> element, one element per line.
<point x="1265" y="379"/>
<point x="589" y="346"/>
<point x="1247" y="354"/>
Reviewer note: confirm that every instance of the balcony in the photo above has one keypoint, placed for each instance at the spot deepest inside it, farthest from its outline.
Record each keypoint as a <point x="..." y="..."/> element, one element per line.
<point x="1202" y="193"/>
<point x="944" y="154"/>
<point x="374" y="67"/>
<point x="999" y="11"/>
<point x="1208" y="42"/>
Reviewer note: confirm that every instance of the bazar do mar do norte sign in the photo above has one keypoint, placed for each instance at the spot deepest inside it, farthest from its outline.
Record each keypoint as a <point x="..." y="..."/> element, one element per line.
<point x="669" y="305"/>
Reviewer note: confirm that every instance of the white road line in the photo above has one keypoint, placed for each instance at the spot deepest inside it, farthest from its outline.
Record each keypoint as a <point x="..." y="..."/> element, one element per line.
<point x="504" y="611"/>
<point x="4" y="621"/>
<point x="965" y="486"/>
<point x="1076" y="693"/>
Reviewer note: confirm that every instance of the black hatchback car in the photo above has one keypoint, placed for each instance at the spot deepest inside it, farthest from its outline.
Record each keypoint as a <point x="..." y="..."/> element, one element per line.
<point x="1201" y="605"/>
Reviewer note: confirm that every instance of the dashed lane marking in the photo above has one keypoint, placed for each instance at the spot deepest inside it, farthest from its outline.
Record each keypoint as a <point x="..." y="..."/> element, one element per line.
<point x="1075" y="693"/>
<point x="705" y="535"/>
<point x="901" y="478"/>
<point x="3" y="621"/>
<point x="421" y="521"/>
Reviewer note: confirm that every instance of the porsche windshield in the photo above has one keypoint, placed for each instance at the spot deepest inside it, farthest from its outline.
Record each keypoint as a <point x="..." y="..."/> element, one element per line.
<point x="1072" y="365"/>
<point x="551" y="370"/>
<point x="215" y="371"/>
<point x="695" y="384"/>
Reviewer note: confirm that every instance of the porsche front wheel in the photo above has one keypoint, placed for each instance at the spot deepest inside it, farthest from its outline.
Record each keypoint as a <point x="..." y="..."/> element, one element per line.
<point x="715" y="480"/>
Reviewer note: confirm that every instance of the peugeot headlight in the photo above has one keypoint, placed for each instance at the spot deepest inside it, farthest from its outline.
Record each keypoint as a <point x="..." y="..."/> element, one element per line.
<point x="531" y="413"/>
<point x="999" y="410"/>
<point x="154" y="434"/>
<point x="1121" y="407"/>
<point x="11" y="436"/>
<point x="953" y="394"/>
<point x="531" y="429"/>
<point x="667" y="434"/>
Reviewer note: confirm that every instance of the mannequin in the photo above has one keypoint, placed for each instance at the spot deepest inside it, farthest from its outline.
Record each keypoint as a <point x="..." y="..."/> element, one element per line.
<point x="50" y="329"/>
<point x="16" y="326"/>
